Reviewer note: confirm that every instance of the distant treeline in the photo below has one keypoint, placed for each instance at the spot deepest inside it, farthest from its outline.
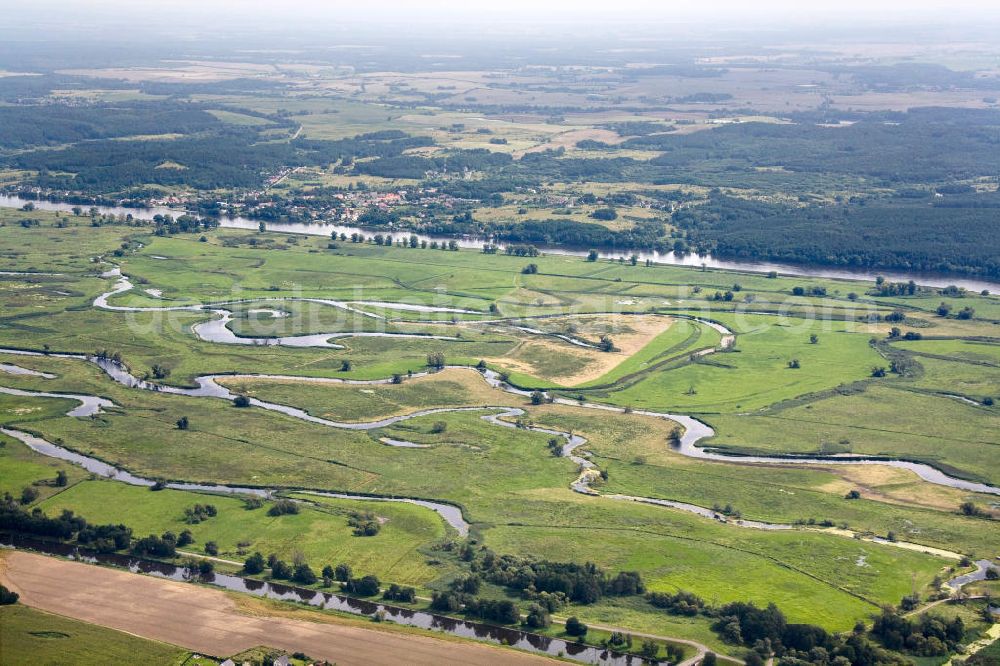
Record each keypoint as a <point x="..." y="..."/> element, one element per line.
<point x="416" y="166"/>
<point x="892" y="234"/>
<point x="55" y="124"/>
<point x="921" y="146"/>
<point x="210" y="155"/>
<point x="645" y="235"/>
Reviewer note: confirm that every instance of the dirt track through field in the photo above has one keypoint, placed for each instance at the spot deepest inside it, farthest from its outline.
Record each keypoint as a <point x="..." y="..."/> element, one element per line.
<point x="207" y="621"/>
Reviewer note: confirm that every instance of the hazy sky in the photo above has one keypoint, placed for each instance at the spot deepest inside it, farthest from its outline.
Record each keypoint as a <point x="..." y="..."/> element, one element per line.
<point x="296" y="11"/>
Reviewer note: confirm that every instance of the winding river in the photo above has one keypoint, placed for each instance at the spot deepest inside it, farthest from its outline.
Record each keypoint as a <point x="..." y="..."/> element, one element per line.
<point x="474" y="243"/>
<point x="694" y="431"/>
<point x="209" y="387"/>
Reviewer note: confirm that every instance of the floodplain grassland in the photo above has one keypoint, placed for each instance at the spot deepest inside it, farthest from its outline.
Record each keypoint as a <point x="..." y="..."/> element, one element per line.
<point x="880" y="420"/>
<point x="505" y="482"/>
<point x="320" y="531"/>
<point x="957" y="378"/>
<point x="980" y="352"/>
<point x="755" y="373"/>
<point x="353" y="403"/>
<point x="639" y="460"/>
<point x="511" y="488"/>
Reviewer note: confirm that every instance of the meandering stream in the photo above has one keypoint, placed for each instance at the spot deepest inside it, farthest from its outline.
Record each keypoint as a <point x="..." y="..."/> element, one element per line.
<point x="694" y="431"/>
<point x="209" y="387"/>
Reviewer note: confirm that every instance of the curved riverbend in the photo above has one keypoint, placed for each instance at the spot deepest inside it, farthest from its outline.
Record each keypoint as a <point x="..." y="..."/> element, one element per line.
<point x="11" y="369"/>
<point x="89" y="404"/>
<point x="217" y="330"/>
<point x="982" y="566"/>
<point x="694" y="431"/>
<point x="450" y="513"/>
<point x="208" y="386"/>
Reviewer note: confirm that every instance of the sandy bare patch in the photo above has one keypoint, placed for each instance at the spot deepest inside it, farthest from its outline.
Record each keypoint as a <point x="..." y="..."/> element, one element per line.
<point x="893" y="486"/>
<point x="634" y="333"/>
<point x="210" y="622"/>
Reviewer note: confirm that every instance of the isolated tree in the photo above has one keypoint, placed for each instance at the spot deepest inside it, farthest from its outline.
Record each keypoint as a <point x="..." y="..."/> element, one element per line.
<point x="182" y="423"/>
<point x="343" y="572"/>
<point x="211" y="548"/>
<point x="280" y="570"/>
<point x="304" y="575"/>
<point x="61" y="478"/>
<point x="241" y="401"/>
<point x="283" y="507"/>
<point x="254" y="564"/>
<point x="366" y="586"/>
<point x="970" y="509"/>
<point x="576" y="628"/>
<point x="345" y="365"/>
<point x="537" y="617"/>
<point x="29" y="494"/>
<point x="8" y="597"/>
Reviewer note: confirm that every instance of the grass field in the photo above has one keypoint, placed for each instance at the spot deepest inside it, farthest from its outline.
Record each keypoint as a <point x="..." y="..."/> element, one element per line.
<point x="377" y="401"/>
<point x="48" y="639"/>
<point x="511" y="489"/>
<point x="939" y="430"/>
<point x="321" y="534"/>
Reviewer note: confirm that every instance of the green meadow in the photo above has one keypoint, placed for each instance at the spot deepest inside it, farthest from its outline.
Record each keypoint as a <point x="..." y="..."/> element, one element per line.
<point x="49" y="638"/>
<point x="512" y="490"/>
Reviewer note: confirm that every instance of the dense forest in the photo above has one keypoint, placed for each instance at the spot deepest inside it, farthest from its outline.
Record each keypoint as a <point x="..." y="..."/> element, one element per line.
<point x="56" y="124"/>
<point x="223" y="156"/>
<point x="927" y="145"/>
<point x="894" y="234"/>
<point x="231" y="158"/>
